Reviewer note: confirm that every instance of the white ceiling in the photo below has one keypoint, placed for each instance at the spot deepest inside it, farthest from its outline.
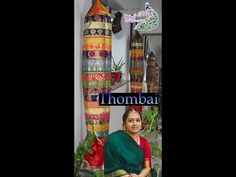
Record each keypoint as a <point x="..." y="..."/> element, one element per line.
<point x="124" y="4"/>
<point x="131" y="4"/>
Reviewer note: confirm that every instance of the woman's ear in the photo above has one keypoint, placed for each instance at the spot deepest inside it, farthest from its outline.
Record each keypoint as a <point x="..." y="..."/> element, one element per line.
<point x="124" y="127"/>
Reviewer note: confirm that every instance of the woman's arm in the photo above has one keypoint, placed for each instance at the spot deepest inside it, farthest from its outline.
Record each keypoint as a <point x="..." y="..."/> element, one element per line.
<point x="143" y="173"/>
<point x="126" y="175"/>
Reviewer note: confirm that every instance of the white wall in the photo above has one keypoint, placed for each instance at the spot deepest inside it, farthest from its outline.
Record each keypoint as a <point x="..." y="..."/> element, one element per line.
<point x="120" y="48"/>
<point x="116" y="112"/>
<point x="120" y="44"/>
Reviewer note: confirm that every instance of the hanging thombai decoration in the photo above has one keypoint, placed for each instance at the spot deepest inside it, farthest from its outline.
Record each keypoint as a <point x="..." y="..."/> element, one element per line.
<point x="96" y="77"/>
<point x="136" y="66"/>
<point x="152" y="74"/>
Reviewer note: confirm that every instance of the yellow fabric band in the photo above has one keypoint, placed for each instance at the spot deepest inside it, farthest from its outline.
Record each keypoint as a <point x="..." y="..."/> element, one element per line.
<point x="98" y="128"/>
<point x="103" y="25"/>
<point x="137" y="44"/>
<point x="137" y="52"/>
<point x="97" y="110"/>
<point x="97" y="40"/>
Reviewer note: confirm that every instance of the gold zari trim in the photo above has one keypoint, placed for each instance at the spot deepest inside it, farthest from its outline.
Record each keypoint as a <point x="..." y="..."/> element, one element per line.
<point x="98" y="128"/>
<point x="98" y="40"/>
<point x="137" y="52"/>
<point x="97" y="110"/>
<point x="116" y="173"/>
<point x="96" y="25"/>
<point x="137" y="44"/>
<point x="147" y="163"/>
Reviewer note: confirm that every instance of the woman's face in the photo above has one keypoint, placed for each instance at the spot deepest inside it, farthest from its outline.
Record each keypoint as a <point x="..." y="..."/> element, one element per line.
<point x="133" y="123"/>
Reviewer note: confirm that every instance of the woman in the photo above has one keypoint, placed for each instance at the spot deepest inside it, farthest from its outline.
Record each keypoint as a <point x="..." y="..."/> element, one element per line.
<point x="126" y="153"/>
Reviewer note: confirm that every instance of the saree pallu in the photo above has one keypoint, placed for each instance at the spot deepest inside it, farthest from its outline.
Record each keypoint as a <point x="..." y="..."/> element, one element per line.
<point x="122" y="155"/>
<point x="96" y="76"/>
<point x="136" y="66"/>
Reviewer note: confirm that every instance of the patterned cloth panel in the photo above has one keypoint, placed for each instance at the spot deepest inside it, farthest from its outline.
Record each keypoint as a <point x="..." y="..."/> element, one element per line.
<point x="96" y="67"/>
<point x="136" y="66"/>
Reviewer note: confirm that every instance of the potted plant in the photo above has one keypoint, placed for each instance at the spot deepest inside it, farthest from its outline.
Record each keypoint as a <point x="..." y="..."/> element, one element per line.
<point x="116" y="72"/>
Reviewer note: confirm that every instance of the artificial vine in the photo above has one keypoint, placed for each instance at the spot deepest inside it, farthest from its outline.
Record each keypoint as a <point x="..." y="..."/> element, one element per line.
<point x="149" y="121"/>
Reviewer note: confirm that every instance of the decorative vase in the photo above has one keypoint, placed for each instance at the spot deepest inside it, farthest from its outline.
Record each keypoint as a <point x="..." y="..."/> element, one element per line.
<point x="115" y="76"/>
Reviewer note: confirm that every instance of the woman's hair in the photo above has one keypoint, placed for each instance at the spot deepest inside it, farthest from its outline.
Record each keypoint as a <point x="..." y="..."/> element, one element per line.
<point x="126" y="114"/>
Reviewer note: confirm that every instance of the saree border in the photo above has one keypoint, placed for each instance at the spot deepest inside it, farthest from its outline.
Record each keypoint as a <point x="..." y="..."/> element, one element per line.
<point x="116" y="173"/>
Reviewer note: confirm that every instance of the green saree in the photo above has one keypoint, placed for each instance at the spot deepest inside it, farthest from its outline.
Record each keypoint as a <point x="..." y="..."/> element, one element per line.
<point x="122" y="155"/>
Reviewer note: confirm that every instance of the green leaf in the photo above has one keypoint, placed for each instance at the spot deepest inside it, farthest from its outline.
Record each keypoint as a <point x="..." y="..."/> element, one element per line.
<point x="117" y="66"/>
<point x="90" y="151"/>
<point x="98" y="173"/>
<point x="155" y="150"/>
<point x="156" y="166"/>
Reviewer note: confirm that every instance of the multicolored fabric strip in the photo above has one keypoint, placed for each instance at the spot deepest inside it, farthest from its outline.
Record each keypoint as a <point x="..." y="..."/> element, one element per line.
<point x="136" y="66"/>
<point x="152" y="75"/>
<point x="96" y="74"/>
<point x="96" y="65"/>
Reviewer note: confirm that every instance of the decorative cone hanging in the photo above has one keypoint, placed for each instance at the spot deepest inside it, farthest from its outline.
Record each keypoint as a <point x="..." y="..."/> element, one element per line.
<point x="96" y="77"/>
<point x="136" y="66"/>
<point x="152" y="75"/>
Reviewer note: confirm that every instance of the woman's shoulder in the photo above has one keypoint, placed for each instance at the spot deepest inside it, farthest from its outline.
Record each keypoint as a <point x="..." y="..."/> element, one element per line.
<point x="115" y="134"/>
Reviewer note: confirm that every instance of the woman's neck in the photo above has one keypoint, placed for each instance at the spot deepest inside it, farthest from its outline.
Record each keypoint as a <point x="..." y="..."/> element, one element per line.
<point x="134" y="136"/>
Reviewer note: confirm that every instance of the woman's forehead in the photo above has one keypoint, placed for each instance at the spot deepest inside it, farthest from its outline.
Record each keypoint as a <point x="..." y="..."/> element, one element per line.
<point x="133" y="115"/>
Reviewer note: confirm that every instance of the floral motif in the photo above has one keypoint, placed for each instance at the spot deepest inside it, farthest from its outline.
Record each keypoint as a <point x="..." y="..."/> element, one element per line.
<point x="99" y="31"/>
<point x="92" y="31"/>
<point x="97" y="18"/>
<point x="86" y="32"/>
<point x="107" y="32"/>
